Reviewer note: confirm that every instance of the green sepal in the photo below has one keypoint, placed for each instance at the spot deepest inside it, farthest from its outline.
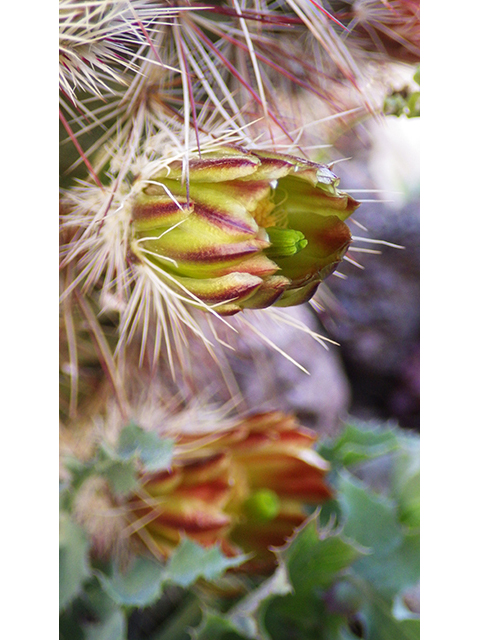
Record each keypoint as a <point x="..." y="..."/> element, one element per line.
<point x="360" y="442"/>
<point x="74" y="568"/>
<point x="144" y="581"/>
<point x="154" y="452"/>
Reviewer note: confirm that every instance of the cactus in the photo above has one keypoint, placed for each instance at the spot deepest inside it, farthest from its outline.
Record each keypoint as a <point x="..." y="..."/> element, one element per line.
<point x="191" y="202"/>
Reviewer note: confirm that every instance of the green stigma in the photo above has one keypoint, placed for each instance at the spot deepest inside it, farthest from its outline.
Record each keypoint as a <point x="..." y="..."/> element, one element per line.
<point x="263" y="505"/>
<point x="284" y="242"/>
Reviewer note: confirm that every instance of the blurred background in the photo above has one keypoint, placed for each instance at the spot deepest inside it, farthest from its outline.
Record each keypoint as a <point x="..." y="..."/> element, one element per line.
<point x="370" y="308"/>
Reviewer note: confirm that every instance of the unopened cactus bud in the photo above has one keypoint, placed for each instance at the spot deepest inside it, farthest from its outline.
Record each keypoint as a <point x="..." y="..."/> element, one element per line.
<point x="252" y="229"/>
<point x="244" y="488"/>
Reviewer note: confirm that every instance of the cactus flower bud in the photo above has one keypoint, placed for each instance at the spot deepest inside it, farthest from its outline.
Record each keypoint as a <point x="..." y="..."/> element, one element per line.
<point x="244" y="488"/>
<point x="251" y="229"/>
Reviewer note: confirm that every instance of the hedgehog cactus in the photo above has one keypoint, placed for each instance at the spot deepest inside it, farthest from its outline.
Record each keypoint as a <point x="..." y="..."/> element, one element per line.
<point x="177" y="209"/>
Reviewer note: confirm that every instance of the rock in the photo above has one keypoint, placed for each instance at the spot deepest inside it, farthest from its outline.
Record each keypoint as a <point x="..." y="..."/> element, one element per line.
<point x="319" y="399"/>
<point x="376" y="313"/>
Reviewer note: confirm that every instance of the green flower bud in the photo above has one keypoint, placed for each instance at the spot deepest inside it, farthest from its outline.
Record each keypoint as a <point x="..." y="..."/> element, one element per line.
<point x="251" y="229"/>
